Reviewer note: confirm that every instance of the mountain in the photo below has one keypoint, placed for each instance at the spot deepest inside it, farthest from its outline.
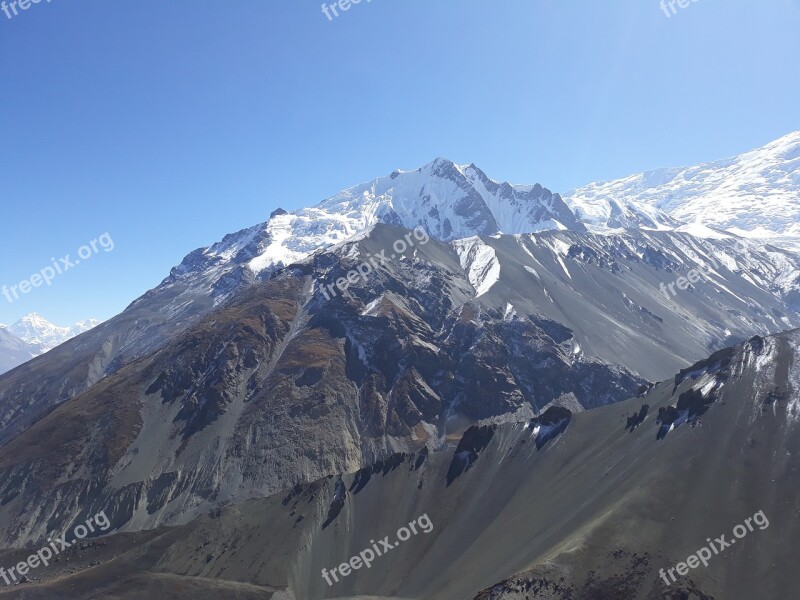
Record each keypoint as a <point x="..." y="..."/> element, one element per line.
<point x="33" y="335"/>
<point x="564" y="506"/>
<point x="282" y="384"/>
<point x="13" y="351"/>
<point x="474" y="312"/>
<point x="41" y="335"/>
<point x="755" y="194"/>
<point x="450" y="200"/>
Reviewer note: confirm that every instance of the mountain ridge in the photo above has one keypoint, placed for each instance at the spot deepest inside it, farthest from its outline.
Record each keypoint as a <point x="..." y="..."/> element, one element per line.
<point x="455" y="201"/>
<point x="753" y="194"/>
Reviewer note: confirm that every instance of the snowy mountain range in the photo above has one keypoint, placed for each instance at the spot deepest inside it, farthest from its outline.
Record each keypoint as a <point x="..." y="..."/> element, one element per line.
<point x="33" y="335"/>
<point x="451" y="201"/>
<point x="755" y="194"/>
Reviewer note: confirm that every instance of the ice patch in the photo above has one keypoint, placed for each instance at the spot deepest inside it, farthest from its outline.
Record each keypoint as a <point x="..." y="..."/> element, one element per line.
<point x="699" y="230"/>
<point x="368" y="310"/>
<point x="706" y="389"/>
<point x="510" y="312"/>
<point x="563" y="266"/>
<point x="532" y="272"/>
<point x="480" y="262"/>
<point x="561" y="247"/>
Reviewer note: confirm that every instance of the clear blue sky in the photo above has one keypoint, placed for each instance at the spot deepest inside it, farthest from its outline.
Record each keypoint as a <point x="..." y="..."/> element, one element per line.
<point x="169" y="124"/>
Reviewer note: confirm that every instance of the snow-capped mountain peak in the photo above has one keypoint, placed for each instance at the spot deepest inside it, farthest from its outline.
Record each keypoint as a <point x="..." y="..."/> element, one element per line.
<point x="452" y="202"/>
<point x="449" y="200"/>
<point x="41" y="335"/>
<point x="755" y="194"/>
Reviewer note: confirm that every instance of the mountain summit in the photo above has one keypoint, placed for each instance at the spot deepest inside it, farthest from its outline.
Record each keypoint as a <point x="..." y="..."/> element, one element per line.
<point x="450" y="201"/>
<point x="42" y="335"/>
<point x="756" y="194"/>
<point x="33" y="335"/>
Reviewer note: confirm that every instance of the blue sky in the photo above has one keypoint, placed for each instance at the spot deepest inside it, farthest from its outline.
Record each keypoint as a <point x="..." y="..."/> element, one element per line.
<point x="170" y="124"/>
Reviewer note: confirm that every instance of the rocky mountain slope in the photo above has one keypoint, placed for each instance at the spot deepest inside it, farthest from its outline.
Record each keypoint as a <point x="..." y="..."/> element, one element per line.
<point x="451" y="201"/>
<point x="282" y="384"/>
<point x="563" y="507"/>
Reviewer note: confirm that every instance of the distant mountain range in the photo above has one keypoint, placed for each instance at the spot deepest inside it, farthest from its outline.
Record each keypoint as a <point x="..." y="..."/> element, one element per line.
<point x="488" y="363"/>
<point x="33" y="335"/>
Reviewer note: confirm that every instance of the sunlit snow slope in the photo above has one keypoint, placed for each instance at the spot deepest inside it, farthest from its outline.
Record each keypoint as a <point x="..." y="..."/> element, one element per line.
<point x="755" y="194"/>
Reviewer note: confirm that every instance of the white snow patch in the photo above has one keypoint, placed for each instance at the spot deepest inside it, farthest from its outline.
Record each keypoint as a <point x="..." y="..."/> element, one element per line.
<point x="708" y="387"/>
<point x="563" y="266"/>
<point x="480" y="263"/>
<point x="532" y="272"/>
<point x="370" y="308"/>
<point x="510" y="312"/>
<point x="699" y="230"/>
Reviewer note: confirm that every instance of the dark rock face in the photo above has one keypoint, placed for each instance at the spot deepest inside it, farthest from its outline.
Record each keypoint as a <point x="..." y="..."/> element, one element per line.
<point x="718" y="362"/>
<point x="643" y="389"/>
<point x="472" y="443"/>
<point x="690" y="406"/>
<point x="384" y="467"/>
<point x="667" y="415"/>
<point x="552" y="416"/>
<point x="423" y="456"/>
<point x="337" y="503"/>
<point x="631" y="573"/>
<point x="550" y="424"/>
<point x="637" y="419"/>
<point x="695" y="403"/>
